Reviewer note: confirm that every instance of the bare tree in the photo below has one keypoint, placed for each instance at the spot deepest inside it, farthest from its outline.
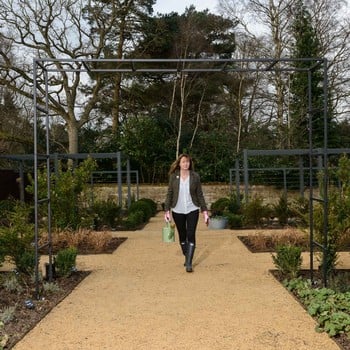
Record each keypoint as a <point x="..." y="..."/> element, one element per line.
<point x="265" y="24"/>
<point x="60" y="29"/>
<point x="12" y="119"/>
<point x="332" y="25"/>
<point x="49" y="29"/>
<point x="270" y="21"/>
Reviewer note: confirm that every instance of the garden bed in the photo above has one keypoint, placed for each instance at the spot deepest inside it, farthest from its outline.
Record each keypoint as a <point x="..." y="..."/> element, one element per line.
<point x="260" y="243"/>
<point x="342" y="340"/>
<point x="24" y="317"/>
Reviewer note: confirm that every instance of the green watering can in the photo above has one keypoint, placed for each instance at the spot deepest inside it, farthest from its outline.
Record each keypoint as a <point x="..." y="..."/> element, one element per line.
<point x="168" y="232"/>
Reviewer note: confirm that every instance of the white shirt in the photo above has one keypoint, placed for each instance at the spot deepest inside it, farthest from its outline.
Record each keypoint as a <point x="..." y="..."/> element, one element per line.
<point x="184" y="203"/>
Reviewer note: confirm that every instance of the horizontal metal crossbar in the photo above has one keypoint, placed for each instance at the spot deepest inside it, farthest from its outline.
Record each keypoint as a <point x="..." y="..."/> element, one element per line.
<point x="43" y="200"/>
<point x="319" y="245"/>
<point x="44" y="245"/>
<point x="176" y="65"/>
<point x="317" y="199"/>
<point x="58" y="155"/>
<point x="43" y="110"/>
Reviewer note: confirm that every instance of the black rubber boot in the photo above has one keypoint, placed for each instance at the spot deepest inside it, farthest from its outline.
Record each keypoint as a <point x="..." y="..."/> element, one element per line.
<point x="184" y="250"/>
<point x="189" y="256"/>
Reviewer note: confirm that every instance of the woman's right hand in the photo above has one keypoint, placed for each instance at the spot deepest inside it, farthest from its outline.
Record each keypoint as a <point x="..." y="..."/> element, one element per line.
<point x="167" y="216"/>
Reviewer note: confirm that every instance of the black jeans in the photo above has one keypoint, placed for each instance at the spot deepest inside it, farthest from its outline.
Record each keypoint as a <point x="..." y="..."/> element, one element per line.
<point x="186" y="225"/>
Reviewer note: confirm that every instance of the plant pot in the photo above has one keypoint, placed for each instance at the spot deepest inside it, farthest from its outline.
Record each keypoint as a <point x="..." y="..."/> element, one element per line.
<point x="218" y="223"/>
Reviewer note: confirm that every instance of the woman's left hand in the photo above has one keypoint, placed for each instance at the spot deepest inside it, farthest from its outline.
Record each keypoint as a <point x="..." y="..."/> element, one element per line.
<point x="167" y="216"/>
<point x="206" y="217"/>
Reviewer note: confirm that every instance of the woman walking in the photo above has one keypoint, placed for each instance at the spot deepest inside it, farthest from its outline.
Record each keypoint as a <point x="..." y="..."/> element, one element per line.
<point x="185" y="199"/>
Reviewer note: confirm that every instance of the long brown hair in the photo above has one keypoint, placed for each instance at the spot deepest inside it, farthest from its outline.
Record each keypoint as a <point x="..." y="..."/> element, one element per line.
<point x="176" y="164"/>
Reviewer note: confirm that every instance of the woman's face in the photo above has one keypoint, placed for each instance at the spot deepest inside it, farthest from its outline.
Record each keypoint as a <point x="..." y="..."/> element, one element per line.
<point x="184" y="163"/>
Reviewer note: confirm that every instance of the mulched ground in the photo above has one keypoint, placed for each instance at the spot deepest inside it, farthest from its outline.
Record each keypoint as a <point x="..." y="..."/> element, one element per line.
<point x="85" y="247"/>
<point x="266" y="244"/>
<point x="25" y="317"/>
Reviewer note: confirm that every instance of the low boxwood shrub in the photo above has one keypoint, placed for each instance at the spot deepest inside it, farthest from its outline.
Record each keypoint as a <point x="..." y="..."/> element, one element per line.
<point x="152" y="204"/>
<point x="65" y="261"/>
<point x="234" y="220"/>
<point x="254" y="211"/>
<point x="134" y="220"/>
<point x="218" y="207"/>
<point x="26" y="262"/>
<point x="144" y="206"/>
<point x="288" y="260"/>
<point x="105" y="213"/>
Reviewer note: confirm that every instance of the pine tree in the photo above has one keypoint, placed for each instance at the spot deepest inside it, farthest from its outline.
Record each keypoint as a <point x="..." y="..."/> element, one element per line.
<point x="306" y="45"/>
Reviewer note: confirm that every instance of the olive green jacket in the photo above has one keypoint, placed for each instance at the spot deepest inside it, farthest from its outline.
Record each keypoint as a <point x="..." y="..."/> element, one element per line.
<point x="195" y="191"/>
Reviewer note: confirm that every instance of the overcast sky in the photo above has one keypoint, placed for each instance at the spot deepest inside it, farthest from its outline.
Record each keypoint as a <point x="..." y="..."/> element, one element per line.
<point x="167" y="6"/>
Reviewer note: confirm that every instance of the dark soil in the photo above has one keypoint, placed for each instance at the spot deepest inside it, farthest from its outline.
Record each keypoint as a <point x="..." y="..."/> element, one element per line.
<point x="24" y="317"/>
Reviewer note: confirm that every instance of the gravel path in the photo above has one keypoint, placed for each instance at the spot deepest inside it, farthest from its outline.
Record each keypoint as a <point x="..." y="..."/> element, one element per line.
<point x="140" y="297"/>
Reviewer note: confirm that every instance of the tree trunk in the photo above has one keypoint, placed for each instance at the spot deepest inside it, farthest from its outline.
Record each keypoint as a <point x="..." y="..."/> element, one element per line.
<point x="183" y="99"/>
<point x="240" y="114"/>
<point x="72" y="130"/>
<point x="116" y="103"/>
<point x="197" y="118"/>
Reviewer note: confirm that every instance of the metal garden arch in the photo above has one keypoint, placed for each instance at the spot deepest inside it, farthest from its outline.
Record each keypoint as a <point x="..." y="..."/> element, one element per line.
<point x="44" y="67"/>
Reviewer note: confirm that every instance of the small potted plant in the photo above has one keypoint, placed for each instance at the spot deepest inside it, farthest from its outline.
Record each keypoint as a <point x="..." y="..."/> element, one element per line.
<point x="226" y="212"/>
<point x="218" y="220"/>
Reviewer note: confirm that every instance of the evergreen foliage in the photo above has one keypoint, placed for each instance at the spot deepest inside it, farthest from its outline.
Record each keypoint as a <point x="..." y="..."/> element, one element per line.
<point x="288" y="260"/>
<point x="307" y="45"/>
<point x="65" y="261"/>
<point x="67" y="187"/>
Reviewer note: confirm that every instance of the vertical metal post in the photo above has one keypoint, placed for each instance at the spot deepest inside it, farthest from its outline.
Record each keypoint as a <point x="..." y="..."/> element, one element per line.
<point x="246" y="174"/>
<point x="325" y="171"/>
<point x="323" y="166"/>
<point x="21" y="182"/>
<point x="48" y="177"/>
<point x="311" y="193"/>
<point x="301" y="177"/>
<point x="92" y="198"/>
<point x="128" y="181"/>
<point x="55" y="157"/>
<point x="320" y="163"/>
<point x="36" y="219"/>
<point x="137" y="186"/>
<point x="119" y="175"/>
<point x="237" y="179"/>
